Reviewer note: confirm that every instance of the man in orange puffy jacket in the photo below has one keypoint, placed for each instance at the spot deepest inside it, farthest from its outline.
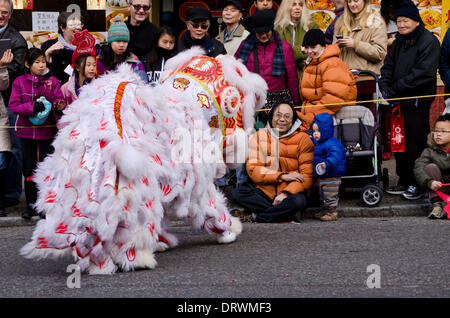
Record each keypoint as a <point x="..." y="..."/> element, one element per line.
<point x="280" y="164"/>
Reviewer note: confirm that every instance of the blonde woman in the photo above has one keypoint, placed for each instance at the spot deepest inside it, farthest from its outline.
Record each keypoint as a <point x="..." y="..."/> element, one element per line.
<point x="360" y="33"/>
<point x="292" y="22"/>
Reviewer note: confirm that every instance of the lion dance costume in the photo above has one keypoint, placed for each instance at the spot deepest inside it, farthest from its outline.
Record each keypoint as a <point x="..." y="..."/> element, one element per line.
<point x="129" y="158"/>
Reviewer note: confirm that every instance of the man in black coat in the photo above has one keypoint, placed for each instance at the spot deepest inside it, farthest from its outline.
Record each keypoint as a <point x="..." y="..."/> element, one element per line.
<point x="410" y="69"/>
<point x="16" y="68"/>
<point x="198" y="20"/>
<point x="142" y="31"/>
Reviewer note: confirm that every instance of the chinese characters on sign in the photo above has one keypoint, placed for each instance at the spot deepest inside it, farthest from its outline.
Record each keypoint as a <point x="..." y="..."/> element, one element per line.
<point x="45" y="21"/>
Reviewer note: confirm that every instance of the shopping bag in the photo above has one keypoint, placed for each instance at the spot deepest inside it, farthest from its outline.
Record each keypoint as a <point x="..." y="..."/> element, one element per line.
<point x="386" y="142"/>
<point x="446" y="199"/>
<point x="397" y="130"/>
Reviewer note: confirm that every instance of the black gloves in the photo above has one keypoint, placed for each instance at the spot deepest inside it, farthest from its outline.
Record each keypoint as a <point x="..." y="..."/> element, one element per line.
<point x="38" y="107"/>
<point x="388" y="93"/>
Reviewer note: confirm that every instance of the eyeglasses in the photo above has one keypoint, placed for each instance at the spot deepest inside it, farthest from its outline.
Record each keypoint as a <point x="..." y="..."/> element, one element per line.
<point x="286" y="117"/>
<point x="138" y="7"/>
<point x="75" y="25"/>
<point x="198" y="25"/>
<point x="439" y="132"/>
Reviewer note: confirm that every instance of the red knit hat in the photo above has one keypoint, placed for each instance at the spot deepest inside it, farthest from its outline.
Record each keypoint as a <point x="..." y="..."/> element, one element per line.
<point x="85" y="43"/>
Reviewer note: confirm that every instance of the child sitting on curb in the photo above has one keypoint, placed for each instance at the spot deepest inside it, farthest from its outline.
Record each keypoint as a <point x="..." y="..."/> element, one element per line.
<point x="329" y="165"/>
<point x="432" y="168"/>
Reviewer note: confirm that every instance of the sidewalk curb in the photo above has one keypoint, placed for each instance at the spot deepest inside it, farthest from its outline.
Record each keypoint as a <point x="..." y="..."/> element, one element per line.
<point x="397" y="210"/>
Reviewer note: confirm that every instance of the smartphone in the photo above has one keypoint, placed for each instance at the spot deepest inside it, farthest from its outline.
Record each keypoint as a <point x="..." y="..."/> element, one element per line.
<point x="5" y="44"/>
<point x="339" y="37"/>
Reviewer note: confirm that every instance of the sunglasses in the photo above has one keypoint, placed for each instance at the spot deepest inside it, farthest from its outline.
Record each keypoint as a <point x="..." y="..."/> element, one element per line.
<point x="198" y="25"/>
<point x="138" y="7"/>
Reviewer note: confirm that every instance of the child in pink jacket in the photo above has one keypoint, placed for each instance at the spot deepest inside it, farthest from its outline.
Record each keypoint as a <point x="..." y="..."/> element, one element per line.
<point x="38" y="102"/>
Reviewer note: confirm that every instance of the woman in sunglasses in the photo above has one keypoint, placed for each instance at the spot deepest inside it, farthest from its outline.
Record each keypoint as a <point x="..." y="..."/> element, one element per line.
<point x="198" y="20"/>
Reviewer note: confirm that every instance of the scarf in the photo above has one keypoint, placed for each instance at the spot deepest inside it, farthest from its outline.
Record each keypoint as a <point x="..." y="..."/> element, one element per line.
<point x="206" y="43"/>
<point x="227" y="35"/>
<point x="65" y="44"/>
<point x="278" y="57"/>
<point x="164" y="53"/>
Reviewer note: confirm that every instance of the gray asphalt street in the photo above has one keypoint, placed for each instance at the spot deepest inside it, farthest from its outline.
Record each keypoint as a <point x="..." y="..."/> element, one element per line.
<point x="410" y="255"/>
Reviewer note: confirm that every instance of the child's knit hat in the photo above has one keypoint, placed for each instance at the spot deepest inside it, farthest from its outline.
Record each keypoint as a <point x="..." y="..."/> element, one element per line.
<point x="118" y="30"/>
<point x="408" y="9"/>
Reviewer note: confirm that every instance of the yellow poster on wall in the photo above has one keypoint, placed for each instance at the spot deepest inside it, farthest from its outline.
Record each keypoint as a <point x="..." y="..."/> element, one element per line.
<point x="18" y="4"/>
<point x="431" y="12"/>
<point x="95" y="4"/>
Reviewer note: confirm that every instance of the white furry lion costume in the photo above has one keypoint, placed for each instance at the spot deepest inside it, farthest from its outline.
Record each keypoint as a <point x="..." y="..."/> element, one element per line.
<point x="128" y="157"/>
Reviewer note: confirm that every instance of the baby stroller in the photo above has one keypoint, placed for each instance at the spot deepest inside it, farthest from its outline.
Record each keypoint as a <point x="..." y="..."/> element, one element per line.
<point x="355" y="126"/>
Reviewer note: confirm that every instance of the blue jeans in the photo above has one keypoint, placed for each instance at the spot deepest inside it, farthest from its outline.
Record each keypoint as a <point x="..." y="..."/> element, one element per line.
<point x="3" y="160"/>
<point x="241" y="177"/>
<point x="14" y="162"/>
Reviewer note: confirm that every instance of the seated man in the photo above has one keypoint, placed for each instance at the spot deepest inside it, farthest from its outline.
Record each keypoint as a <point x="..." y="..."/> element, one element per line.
<point x="280" y="164"/>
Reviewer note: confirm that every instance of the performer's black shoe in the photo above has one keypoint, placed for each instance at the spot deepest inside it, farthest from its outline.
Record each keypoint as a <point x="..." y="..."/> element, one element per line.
<point x="28" y="213"/>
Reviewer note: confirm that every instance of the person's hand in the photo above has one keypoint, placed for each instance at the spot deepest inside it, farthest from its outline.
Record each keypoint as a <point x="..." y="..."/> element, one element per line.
<point x="293" y="176"/>
<point x="390" y="41"/>
<point x="346" y="41"/>
<point x="6" y="58"/>
<point x="38" y="107"/>
<point x="52" y="49"/>
<point x="387" y="93"/>
<point x="323" y="164"/>
<point x="279" y="198"/>
<point x="435" y="185"/>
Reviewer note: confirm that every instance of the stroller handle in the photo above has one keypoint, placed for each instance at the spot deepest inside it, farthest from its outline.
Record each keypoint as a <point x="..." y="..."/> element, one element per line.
<point x="365" y="72"/>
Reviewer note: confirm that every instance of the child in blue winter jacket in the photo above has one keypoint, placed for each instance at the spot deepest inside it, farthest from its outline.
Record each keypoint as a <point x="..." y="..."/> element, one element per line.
<point x="329" y="165"/>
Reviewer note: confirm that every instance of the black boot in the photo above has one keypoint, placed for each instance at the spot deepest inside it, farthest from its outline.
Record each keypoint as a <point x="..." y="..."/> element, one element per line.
<point x="30" y="197"/>
<point x="28" y="213"/>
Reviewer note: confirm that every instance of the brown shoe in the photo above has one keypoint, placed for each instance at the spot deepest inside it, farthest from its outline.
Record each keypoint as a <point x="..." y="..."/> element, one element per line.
<point x="329" y="216"/>
<point x="318" y="215"/>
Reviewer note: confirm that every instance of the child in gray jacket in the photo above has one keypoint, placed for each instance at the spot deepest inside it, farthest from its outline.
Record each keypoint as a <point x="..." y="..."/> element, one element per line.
<point x="432" y="168"/>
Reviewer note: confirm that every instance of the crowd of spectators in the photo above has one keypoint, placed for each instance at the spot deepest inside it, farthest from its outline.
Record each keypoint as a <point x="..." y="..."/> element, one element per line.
<point x="302" y="65"/>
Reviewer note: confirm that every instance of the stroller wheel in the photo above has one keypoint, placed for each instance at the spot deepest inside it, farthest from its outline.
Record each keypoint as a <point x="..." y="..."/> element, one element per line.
<point x="371" y="195"/>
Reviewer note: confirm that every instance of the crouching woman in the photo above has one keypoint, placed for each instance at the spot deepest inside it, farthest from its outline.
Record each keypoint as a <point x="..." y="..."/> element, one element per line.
<point x="280" y="164"/>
